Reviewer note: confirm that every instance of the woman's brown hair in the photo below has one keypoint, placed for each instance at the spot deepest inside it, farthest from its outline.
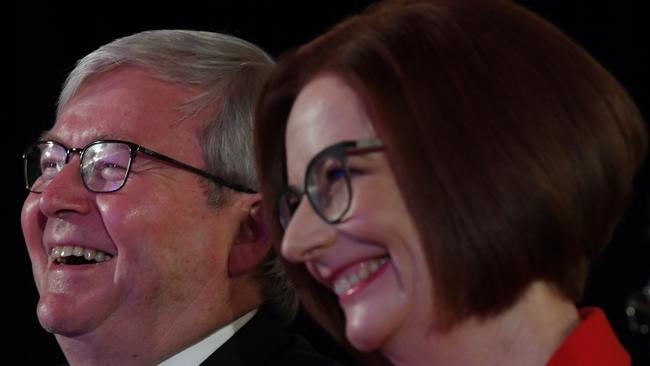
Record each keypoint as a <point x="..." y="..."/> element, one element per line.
<point x="514" y="150"/>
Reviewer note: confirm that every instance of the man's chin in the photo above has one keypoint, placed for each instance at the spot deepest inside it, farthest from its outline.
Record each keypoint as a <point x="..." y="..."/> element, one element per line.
<point x="62" y="315"/>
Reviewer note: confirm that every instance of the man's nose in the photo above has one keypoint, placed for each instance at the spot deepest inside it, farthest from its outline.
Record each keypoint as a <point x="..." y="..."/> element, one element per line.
<point x="307" y="236"/>
<point x="65" y="192"/>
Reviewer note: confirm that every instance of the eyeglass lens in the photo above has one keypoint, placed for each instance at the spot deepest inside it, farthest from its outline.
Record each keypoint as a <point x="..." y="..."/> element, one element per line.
<point x="104" y="166"/>
<point x="328" y="189"/>
<point x="327" y="182"/>
<point x="328" y="186"/>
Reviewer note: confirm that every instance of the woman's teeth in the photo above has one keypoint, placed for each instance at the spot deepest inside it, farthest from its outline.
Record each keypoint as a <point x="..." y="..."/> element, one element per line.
<point x="364" y="270"/>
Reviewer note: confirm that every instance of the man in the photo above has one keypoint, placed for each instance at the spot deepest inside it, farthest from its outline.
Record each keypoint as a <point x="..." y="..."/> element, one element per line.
<point x="143" y="226"/>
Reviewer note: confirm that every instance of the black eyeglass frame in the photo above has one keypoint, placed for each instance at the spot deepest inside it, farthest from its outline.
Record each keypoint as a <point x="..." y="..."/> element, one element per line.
<point x="134" y="149"/>
<point x="340" y="151"/>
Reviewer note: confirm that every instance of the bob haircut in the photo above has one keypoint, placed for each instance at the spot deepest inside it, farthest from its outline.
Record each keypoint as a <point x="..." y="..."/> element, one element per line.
<point x="515" y="152"/>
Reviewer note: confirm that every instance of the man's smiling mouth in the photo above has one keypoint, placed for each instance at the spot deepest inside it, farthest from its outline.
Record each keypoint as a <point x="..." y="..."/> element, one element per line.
<point x="78" y="255"/>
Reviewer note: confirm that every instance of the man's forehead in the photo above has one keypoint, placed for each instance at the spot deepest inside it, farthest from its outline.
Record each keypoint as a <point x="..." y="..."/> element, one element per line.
<point x="124" y="111"/>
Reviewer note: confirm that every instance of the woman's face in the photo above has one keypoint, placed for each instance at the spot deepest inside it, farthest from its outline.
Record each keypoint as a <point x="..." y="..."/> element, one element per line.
<point x="372" y="259"/>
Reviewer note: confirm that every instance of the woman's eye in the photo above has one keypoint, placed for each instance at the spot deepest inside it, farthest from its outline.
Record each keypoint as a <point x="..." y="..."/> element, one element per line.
<point x="352" y="171"/>
<point x="335" y="174"/>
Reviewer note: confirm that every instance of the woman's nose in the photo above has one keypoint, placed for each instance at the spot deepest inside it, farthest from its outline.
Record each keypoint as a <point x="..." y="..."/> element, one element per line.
<point x="307" y="236"/>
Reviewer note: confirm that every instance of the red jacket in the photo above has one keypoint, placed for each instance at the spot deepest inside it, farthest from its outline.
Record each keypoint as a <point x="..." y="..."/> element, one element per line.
<point x="592" y="343"/>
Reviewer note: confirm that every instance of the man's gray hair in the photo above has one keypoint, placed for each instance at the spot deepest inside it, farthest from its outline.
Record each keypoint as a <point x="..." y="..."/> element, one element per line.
<point x="230" y="73"/>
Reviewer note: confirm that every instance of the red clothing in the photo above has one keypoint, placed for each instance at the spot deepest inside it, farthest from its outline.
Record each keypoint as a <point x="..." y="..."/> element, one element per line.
<point x="591" y="343"/>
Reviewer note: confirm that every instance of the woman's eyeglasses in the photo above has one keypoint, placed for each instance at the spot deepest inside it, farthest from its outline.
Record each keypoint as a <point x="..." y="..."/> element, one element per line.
<point x="327" y="182"/>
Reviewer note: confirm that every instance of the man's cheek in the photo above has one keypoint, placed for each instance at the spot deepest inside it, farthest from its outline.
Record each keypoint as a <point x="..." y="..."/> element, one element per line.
<point x="33" y="223"/>
<point x="116" y="211"/>
<point x="129" y="220"/>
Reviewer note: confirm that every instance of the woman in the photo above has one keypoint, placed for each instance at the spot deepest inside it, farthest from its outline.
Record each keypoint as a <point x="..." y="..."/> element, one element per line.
<point x="441" y="173"/>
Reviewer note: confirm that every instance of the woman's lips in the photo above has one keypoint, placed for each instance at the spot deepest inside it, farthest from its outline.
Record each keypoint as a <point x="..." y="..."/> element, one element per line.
<point x="354" y="277"/>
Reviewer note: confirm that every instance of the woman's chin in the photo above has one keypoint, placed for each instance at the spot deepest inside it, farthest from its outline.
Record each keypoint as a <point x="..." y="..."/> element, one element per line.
<point x="367" y="330"/>
<point x="376" y="311"/>
<point x="364" y="342"/>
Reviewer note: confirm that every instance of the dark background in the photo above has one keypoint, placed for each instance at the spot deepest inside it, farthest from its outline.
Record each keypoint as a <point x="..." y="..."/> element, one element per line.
<point x="50" y="36"/>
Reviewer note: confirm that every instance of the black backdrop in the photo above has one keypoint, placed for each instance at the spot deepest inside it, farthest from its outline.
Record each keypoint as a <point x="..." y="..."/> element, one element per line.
<point x="50" y="36"/>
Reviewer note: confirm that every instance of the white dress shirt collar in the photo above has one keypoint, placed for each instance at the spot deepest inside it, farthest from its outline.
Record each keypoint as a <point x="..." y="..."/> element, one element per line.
<point x="199" y="352"/>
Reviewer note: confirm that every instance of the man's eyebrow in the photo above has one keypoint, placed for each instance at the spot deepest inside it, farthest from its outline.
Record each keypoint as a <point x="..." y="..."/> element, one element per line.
<point x="48" y="135"/>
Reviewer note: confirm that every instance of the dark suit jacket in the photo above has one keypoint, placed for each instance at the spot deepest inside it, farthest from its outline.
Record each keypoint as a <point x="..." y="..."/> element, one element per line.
<point x="263" y="341"/>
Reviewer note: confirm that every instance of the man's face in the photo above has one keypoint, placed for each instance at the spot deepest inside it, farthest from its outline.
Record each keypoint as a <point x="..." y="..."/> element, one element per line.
<point x="168" y="274"/>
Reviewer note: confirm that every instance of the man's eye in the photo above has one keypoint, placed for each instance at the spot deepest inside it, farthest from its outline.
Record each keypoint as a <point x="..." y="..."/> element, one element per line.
<point x="49" y="168"/>
<point x="47" y="164"/>
<point x="112" y="171"/>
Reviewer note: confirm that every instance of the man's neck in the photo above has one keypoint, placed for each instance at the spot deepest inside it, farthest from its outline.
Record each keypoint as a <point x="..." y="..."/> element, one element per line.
<point x="147" y="347"/>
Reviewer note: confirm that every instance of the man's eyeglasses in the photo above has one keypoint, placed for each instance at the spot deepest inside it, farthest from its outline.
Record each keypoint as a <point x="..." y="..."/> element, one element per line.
<point x="104" y="165"/>
<point x="327" y="182"/>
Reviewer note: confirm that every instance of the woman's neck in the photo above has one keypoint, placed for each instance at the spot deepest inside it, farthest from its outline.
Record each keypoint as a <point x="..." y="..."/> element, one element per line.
<point x="528" y="333"/>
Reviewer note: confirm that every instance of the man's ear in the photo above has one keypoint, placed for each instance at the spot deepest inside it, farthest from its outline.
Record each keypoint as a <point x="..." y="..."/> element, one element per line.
<point x="252" y="243"/>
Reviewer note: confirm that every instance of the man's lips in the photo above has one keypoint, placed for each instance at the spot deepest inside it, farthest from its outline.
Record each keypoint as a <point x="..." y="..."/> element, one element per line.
<point x="75" y="255"/>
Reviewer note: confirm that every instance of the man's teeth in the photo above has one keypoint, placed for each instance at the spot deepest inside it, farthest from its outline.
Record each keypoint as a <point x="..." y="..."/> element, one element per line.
<point x="364" y="270"/>
<point x="59" y="254"/>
